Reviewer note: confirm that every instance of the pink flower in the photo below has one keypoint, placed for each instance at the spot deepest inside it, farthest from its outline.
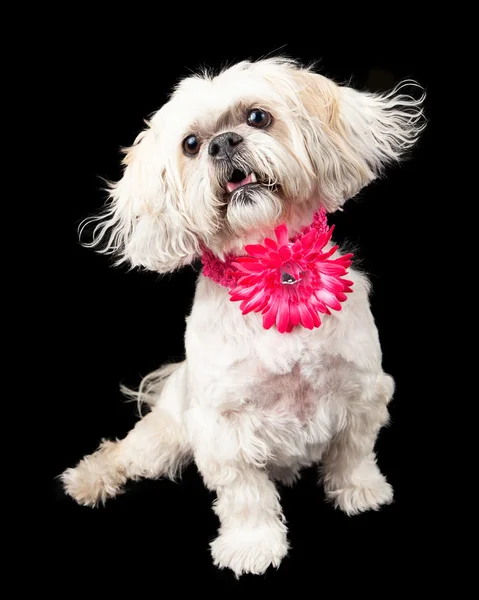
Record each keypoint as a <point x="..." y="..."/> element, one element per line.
<point x="290" y="283"/>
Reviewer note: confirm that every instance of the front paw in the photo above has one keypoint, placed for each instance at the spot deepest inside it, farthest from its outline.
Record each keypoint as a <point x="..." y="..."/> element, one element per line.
<point x="358" y="498"/>
<point x="96" y="477"/>
<point x="249" y="549"/>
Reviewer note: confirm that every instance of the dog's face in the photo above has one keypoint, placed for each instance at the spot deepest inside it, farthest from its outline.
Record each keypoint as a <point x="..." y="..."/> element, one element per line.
<point x="229" y="157"/>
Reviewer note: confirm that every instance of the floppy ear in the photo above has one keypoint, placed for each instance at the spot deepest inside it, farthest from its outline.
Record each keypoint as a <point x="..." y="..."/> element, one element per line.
<point x="351" y="136"/>
<point x="143" y="223"/>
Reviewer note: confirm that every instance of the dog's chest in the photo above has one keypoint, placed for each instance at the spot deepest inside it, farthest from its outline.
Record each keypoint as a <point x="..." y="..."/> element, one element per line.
<point x="288" y="393"/>
<point x="239" y="362"/>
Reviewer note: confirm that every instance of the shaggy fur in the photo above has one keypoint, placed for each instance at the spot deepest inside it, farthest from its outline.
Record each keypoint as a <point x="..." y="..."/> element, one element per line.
<point x="250" y="406"/>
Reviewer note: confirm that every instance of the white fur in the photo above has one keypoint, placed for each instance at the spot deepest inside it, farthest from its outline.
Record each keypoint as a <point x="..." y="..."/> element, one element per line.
<point x="251" y="406"/>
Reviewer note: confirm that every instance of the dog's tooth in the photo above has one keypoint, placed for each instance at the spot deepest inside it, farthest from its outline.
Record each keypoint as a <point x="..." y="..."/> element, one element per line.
<point x="253" y="178"/>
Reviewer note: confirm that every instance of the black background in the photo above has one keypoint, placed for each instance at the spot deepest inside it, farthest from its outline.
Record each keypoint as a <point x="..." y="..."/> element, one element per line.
<point x="111" y="326"/>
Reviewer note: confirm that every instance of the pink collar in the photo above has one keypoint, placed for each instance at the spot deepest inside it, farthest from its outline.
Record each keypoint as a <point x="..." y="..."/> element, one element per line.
<point x="288" y="281"/>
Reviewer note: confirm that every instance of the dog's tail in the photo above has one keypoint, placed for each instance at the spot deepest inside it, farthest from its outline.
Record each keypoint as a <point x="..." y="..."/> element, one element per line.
<point x="151" y="386"/>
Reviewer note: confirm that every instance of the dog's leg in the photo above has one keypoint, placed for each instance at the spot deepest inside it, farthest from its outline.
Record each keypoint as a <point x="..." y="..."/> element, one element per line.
<point x="157" y="446"/>
<point x="351" y="477"/>
<point x="252" y="533"/>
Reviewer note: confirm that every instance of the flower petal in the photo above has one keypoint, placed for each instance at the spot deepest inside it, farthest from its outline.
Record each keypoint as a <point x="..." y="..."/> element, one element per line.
<point x="242" y="293"/>
<point x="281" y="233"/>
<point x="308" y="240"/>
<point x="319" y="305"/>
<point x="331" y="268"/>
<point x="256" y="302"/>
<point x="343" y="260"/>
<point x="250" y="279"/>
<point x="269" y="317"/>
<point x="282" y="318"/>
<point x="332" y="284"/>
<point x="273" y="261"/>
<point x="285" y="253"/>
<point x="325" y="255"/>
<point x="314" y="315"/>
<point x="271" y="244"/>
<point x="305" y="317"/>
<point x="243" y="262"/>
<point x="296" y="271"/>
<point x="256" y="250"/>
<point x="323" y="239"/>
<point x="328" y="298"/>
<point x="249" y="265"/>
<point x="294" y="313"/>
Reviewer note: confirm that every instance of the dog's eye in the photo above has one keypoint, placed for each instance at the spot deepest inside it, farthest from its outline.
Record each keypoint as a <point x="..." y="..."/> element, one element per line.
<point x="259" y="118"/>
<point x="191" y="145"/>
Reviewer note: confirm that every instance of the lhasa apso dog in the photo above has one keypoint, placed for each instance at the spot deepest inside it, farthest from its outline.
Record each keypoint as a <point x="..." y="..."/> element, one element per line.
<point x="224" y="162"/>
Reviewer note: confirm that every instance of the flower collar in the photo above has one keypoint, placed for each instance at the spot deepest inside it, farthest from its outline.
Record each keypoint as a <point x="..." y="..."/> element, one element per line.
<point x="289" y="282"/>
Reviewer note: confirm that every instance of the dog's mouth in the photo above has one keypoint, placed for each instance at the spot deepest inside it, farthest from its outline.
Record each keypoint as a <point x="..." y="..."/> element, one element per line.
<point x="239" y="179"/>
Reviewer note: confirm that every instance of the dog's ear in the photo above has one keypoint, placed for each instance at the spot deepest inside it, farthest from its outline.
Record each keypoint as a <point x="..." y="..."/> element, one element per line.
<point x="351" y="136"/>
<point x="143" y="223"/>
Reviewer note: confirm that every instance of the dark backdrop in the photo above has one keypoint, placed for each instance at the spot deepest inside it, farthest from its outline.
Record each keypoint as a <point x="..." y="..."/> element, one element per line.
<point x="112" y="326"/>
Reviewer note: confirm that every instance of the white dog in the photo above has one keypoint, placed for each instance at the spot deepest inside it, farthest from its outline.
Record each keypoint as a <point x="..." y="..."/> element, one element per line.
<point x="224" y="162"/>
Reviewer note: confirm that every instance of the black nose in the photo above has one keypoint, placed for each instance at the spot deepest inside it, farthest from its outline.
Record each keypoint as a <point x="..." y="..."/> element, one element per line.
<point x="224" y="145"/>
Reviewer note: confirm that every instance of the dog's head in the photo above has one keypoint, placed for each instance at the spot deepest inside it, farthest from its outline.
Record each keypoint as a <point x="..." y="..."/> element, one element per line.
<point x="228" y="157"/>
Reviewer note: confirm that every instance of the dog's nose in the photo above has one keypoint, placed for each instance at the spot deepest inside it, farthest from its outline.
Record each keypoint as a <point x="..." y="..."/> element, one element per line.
<point x="224" y="145"/>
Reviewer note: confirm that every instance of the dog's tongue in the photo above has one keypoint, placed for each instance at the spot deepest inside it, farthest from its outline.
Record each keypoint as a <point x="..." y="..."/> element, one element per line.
<point x="231" y="187"/>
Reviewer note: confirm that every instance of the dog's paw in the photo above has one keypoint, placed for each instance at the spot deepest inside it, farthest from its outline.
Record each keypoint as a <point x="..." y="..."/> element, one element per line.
<point x="95" y="479"/>
<point x="250" y="549"/>
<point x="358" y="498"/>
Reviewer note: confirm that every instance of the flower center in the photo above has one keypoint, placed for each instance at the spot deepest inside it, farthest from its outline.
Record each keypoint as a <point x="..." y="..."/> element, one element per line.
<point x="287" y="279"/>
<point x="290" y="274"/>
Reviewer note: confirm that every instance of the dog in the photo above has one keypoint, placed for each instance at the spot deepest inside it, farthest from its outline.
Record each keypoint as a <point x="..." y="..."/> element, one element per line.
<point x="229" y="159"/>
